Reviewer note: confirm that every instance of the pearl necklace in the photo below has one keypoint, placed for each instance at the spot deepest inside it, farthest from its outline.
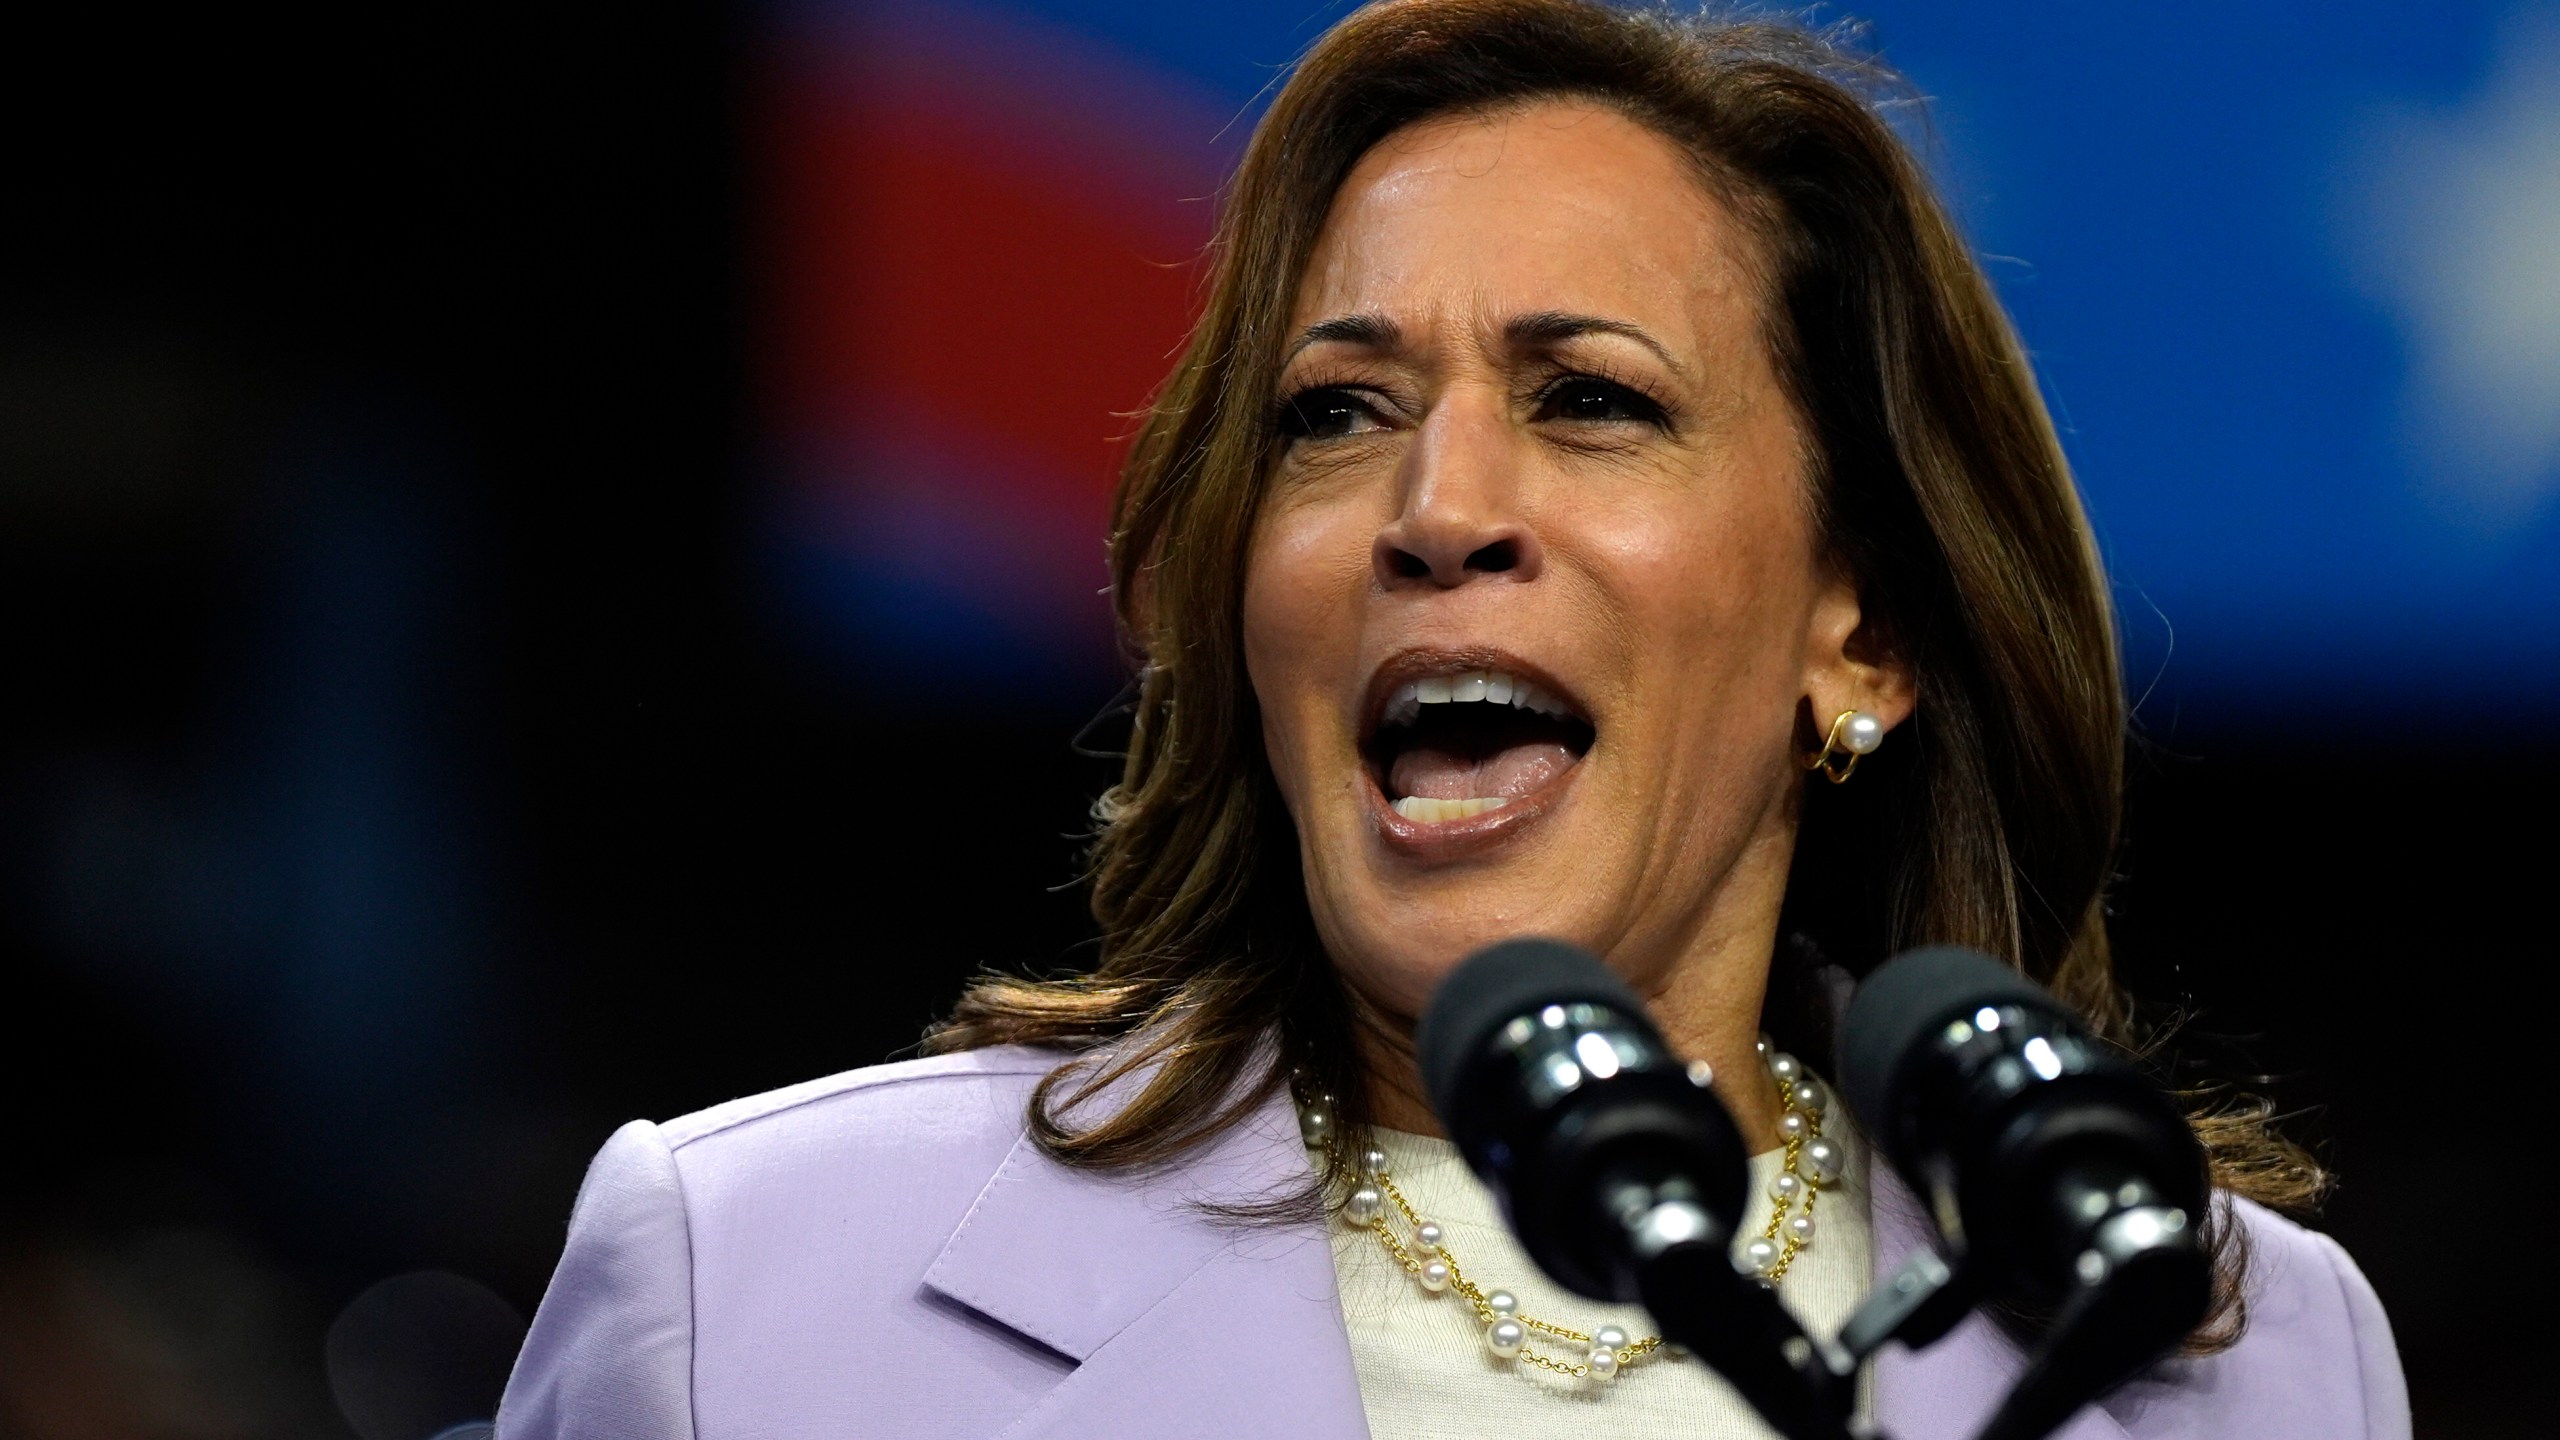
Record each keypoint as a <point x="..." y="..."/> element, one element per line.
<point x="1811" y="1163"/>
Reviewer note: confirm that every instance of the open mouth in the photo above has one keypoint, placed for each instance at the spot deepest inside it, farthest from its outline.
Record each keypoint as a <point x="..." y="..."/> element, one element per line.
<point x="1452" y="746"/>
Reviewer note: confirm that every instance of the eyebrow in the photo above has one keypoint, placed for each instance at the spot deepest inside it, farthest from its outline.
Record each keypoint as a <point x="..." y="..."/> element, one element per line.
<point x="1369" y="332"/>
<point x="1543" y="328"/>
<point x="1554" y="327"/>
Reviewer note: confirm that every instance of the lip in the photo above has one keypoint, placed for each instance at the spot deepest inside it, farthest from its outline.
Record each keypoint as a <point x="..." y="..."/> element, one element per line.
<point x="1446" y="840"/>
<point x="1450" y="840"/>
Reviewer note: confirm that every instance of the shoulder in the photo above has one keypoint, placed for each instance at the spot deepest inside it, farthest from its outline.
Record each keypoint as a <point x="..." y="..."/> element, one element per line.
<point x="757" y="1238"/>
<point x="2317" y="1357"/>
<point x="905" y="1147"/>
<point x="963" y="1101"/>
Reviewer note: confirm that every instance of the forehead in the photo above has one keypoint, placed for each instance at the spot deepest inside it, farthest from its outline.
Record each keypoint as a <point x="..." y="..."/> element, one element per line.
<point x="1561" y="204"/>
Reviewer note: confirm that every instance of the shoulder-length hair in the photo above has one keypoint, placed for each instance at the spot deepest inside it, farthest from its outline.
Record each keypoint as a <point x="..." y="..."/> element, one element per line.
<point x="1939" y="483"/>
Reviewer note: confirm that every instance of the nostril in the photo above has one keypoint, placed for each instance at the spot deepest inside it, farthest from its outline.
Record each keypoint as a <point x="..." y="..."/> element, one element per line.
<point x="1407" y="565"/>
<point x="1495" y="558"/>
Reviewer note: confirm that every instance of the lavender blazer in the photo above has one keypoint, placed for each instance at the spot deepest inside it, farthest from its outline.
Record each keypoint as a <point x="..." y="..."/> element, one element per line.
<point x="885" y="1253"/>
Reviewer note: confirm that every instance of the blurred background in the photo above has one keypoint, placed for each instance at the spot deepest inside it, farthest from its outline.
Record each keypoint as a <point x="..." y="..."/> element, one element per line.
<point x="550" y="560"/>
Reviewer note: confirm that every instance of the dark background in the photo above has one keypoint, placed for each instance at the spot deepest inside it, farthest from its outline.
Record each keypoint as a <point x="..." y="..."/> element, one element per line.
<point x="399" y="787"/>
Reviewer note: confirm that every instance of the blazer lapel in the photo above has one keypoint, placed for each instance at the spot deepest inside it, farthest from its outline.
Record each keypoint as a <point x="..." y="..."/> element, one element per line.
<point x="1946" y="1391"/>
<point x="1181" y="1324"/>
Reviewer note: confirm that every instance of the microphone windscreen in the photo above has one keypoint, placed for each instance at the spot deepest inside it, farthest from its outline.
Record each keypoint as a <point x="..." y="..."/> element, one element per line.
<point x="1497" y="984"/>
<point x="1906" y="1001"/>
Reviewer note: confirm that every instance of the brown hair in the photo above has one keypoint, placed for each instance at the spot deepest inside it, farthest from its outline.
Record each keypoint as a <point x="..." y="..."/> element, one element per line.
<point x="1940" y="483"/>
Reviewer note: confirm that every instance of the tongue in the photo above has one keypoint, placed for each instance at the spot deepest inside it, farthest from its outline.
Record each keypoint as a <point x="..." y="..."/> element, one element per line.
<point x="1510" y="772"/>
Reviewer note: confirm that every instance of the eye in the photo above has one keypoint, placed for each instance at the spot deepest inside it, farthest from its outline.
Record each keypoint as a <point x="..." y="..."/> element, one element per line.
<point x="1327" y="412"/>
<point x="1587" y="399"/>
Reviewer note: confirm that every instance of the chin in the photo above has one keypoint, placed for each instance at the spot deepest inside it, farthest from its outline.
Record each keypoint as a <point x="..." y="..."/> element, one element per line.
<point x="1396" y="941"/>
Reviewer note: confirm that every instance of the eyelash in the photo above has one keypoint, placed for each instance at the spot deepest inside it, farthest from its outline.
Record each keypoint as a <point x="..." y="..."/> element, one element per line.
<point x="1648" y="408"/>
<point x="1289" y="422"/>
<point x="1288" y="418"/>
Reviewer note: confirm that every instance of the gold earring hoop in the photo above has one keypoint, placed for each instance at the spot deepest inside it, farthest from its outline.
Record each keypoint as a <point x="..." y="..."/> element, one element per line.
<point x="1854" y="735"/>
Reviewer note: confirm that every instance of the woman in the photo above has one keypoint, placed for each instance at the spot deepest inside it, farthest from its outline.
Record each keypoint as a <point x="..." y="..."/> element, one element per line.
<point x="1601" y="499"/>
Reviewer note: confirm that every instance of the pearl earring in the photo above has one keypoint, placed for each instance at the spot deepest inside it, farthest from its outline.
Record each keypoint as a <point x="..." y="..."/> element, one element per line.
<point x="1854" y="735"/>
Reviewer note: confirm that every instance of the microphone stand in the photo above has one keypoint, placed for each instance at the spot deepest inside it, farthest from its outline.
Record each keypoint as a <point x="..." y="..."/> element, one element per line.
<point x="2143" y="1278"/>
<point x="1804" y="1387"/>
<point x="2140" y="1273"/>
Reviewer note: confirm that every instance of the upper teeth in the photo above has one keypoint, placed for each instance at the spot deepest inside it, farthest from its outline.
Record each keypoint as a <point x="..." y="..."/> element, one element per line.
<point x="1492" y="687"/>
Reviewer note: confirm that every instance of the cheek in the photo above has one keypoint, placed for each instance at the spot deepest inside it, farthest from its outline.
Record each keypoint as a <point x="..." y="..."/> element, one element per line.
<point x="1718" y="565"/>
<point x="1304" y="576"/>
<point x="1715" y="588"/>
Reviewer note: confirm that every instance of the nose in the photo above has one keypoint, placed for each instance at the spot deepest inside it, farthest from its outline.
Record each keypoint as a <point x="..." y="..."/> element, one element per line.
<point x="1459" y="516"/>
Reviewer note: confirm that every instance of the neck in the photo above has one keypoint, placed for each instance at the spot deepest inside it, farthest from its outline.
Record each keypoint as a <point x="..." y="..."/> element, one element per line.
<point x="1705" y="986"/>
<point x="1708" y="1008"/>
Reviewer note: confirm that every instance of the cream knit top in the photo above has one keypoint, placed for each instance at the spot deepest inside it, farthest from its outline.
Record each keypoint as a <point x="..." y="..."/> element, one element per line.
<point x="1425" y="1373"/>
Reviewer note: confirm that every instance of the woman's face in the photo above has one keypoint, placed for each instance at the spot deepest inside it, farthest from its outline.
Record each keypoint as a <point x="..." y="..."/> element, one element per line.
<point x="1535" y="600"/>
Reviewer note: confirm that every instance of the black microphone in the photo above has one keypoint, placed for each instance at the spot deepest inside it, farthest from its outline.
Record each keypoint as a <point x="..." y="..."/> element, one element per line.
<point x="2061" y="1180"/>
<point x="1616" y="1166"/>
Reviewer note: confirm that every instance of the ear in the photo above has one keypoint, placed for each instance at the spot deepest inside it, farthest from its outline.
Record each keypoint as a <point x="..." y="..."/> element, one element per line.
<point x="1853" y="661"/>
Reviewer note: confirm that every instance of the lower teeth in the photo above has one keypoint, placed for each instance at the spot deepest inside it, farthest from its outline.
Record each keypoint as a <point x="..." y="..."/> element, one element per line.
<point x="1434" y="812"/>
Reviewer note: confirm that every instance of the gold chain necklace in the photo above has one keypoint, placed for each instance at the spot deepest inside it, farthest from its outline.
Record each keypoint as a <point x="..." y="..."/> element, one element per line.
<point x="1811" y="1163"/>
